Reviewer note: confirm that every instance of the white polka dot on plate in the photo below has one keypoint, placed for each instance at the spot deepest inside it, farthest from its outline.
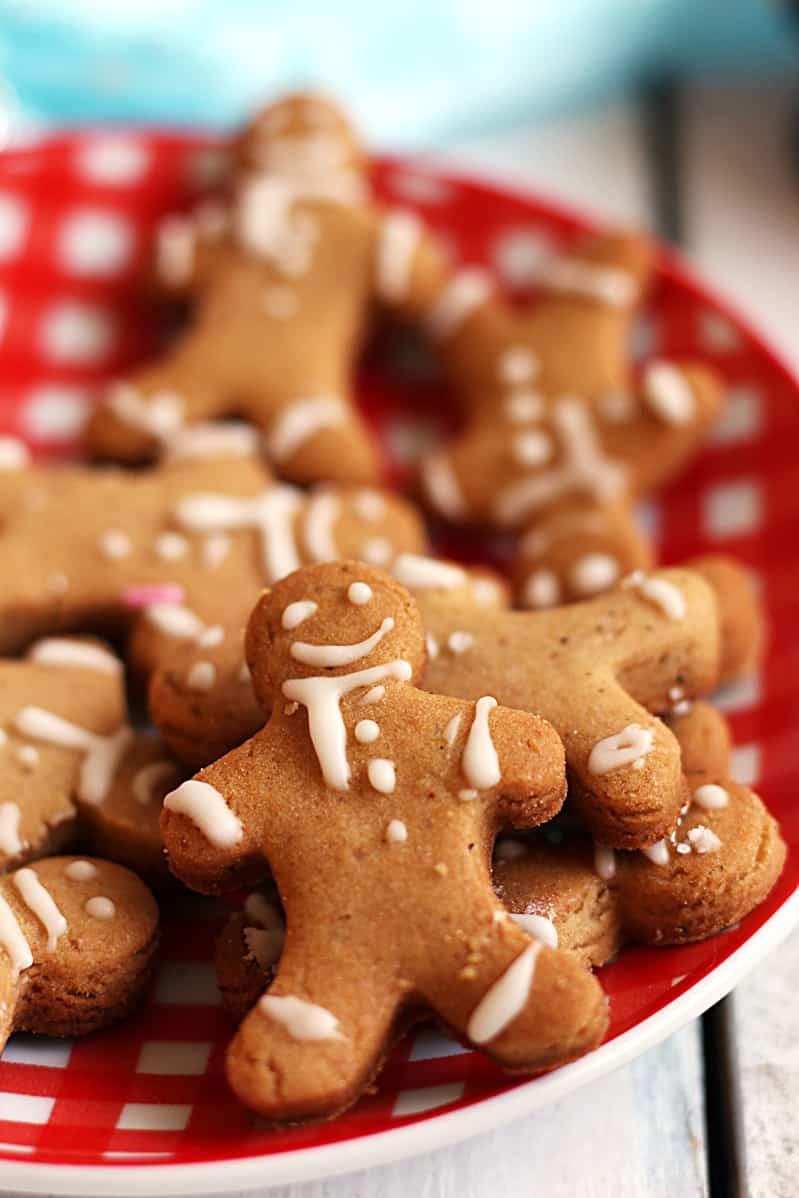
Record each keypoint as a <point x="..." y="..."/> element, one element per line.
<point x="13" y="225"/>
<point x="75" y="332"/>
<point x="519" y="254"/>
<point x="113" y="159"/>
<point x="420" y="188"/>
<point x="55" y="413"/>
<point x="94" y="242"/>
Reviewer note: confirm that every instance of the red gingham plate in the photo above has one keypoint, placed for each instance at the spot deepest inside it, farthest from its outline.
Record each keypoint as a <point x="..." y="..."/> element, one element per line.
<point x="143" y="1108"/>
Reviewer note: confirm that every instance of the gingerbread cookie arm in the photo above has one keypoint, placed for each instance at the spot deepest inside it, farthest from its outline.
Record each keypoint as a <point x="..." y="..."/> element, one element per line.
<point x="742" y="622"/>
<point x="78" y="938"/>
<point x="676" y="404"/>
<point x="576" y="550"/>
<point x="212" y="825"/>
<point x="409" y="264"/>
<point x="188" y="250"/>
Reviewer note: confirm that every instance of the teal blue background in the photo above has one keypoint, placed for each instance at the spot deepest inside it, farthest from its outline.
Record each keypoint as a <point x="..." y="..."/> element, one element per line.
<point x="417" y="72"/>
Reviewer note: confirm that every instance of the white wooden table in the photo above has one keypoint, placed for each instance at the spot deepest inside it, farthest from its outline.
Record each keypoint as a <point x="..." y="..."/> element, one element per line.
<point x="642" y="1132"/>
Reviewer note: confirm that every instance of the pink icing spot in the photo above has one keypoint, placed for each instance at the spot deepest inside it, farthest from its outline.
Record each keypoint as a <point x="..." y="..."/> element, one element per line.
<point x="147" y="594"/>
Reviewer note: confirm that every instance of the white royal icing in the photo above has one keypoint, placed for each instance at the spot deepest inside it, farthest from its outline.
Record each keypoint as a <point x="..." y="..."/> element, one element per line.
<point x="517" y="364"/>
<point x="521" y="407"/>
<point x="539" y="927"/>
<point x="297" y="613"/>
<point x="396" y="832"/>
<point x="359" y="593"/>
<point x="377" y="551"/>
<point x="503" y="1001"/>
<point x="657" y="853"/>
<point x="442" y="487"/>
<point x="382" y="775"/>
<point x="28" y="756"/>
<point x="366" y="731"/>
<point x="171" y="546"/>
<point x="374" y="695"/>
<point x="174" y="256"/>
<point x="466" y="292"/>
<point x="41" y="903"/>
<point x="452" y="728"/>
<point x="605" y="284"/>
<point x="270" y="514"/>
<point x="622" y="748"/>
<point x="206" y="807"/>
<point x="668" y="393"/>
<point x="81" y="871"/>
<point x="10" y="841"/>
<point x="711" y="797"/>
<point x="159" y="415"/>
<point x="659" y="591"/>
<point x="322" y="698"/>
<point x="480" y="761"/>
<point x="339" y="655"/>
<point x="210" y="637"/>
<point x="396" y="249"/>
<point x="100" y="907"/>
<point x="115" y="544"/>
<point x="265" y="944"/>
<point x="432" y="646"/>
<point x="459" y="641"/>
<point x="58" y="651"/>
<point x="318" y="528"/>
<point x="594" y="572"/>
<point x="102" y="754"/>
<point x="605" y="861"/>
<point x="415" y="570"/>
<point x="13" y="940"/>
<point x="583" y="467"/>
<point x="301" y="420"/>
<point x="146" y="780"/>
<point x="369" y="505"/>
<point x="302" y="1020"/>
<point x="201" y="676"/>
<point x="219" y="439"/>
<point x="541" y="589"/>
<point x="703" y="840"/>
<point x="215" y="549"/>
<point x="532" y="447"/>
<point x="173" y="619"/>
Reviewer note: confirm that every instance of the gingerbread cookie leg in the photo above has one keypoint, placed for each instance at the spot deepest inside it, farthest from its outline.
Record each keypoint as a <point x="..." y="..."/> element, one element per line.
<point x="318" y="1036"/>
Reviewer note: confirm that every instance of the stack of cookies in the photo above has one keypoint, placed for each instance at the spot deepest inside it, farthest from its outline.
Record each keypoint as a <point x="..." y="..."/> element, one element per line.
<point x="445" y="793"/>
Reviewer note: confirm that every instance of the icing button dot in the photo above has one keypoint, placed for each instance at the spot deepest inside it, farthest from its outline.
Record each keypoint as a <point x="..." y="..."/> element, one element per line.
<point x="366" y="731"/>
<point x="359" y="593"/>
<point x="100" y="907"/>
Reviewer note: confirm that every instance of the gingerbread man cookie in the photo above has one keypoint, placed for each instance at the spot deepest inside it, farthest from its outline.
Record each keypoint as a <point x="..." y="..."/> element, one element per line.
<point x="375" y="805"/>
<point x="73" y="768"/>
<point x="559" y="438"/>
<point x="93" y="549"/>
<point x="203" y="722"/>
<point x="283" y="282"/>
<point x="720" y="861"/>
<point x="78" y="939"/>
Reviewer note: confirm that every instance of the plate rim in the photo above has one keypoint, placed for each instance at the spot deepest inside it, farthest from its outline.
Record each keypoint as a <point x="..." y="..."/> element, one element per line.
<point x="436" y="1131"/>
<point x="247" y="1173"/>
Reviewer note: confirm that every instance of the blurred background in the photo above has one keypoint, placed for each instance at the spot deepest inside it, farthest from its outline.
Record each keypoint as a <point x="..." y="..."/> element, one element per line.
<point x="678" y="115"/>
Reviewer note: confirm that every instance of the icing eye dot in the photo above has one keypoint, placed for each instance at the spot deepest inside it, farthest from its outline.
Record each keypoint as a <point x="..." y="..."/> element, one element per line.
<point x="100" y="907"/>
<point x="532" y="448"/>
<point x="459" y="642"/>
<point x="366" y="731"/>
<point x="396" y="832"/>
<point x="201" y="676"/>
<point x="297" y="613"/>
<point x="81" y="871"/>
<point x="359" y="593"/>
<point x="711" y="796"/>
<point x="382" y="775"/>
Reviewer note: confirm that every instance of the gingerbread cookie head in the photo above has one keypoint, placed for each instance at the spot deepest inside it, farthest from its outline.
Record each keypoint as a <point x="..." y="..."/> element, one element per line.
<point x="302" y="138"/>
<point x="329" y="621"/>
<point x="78" y="937"/>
